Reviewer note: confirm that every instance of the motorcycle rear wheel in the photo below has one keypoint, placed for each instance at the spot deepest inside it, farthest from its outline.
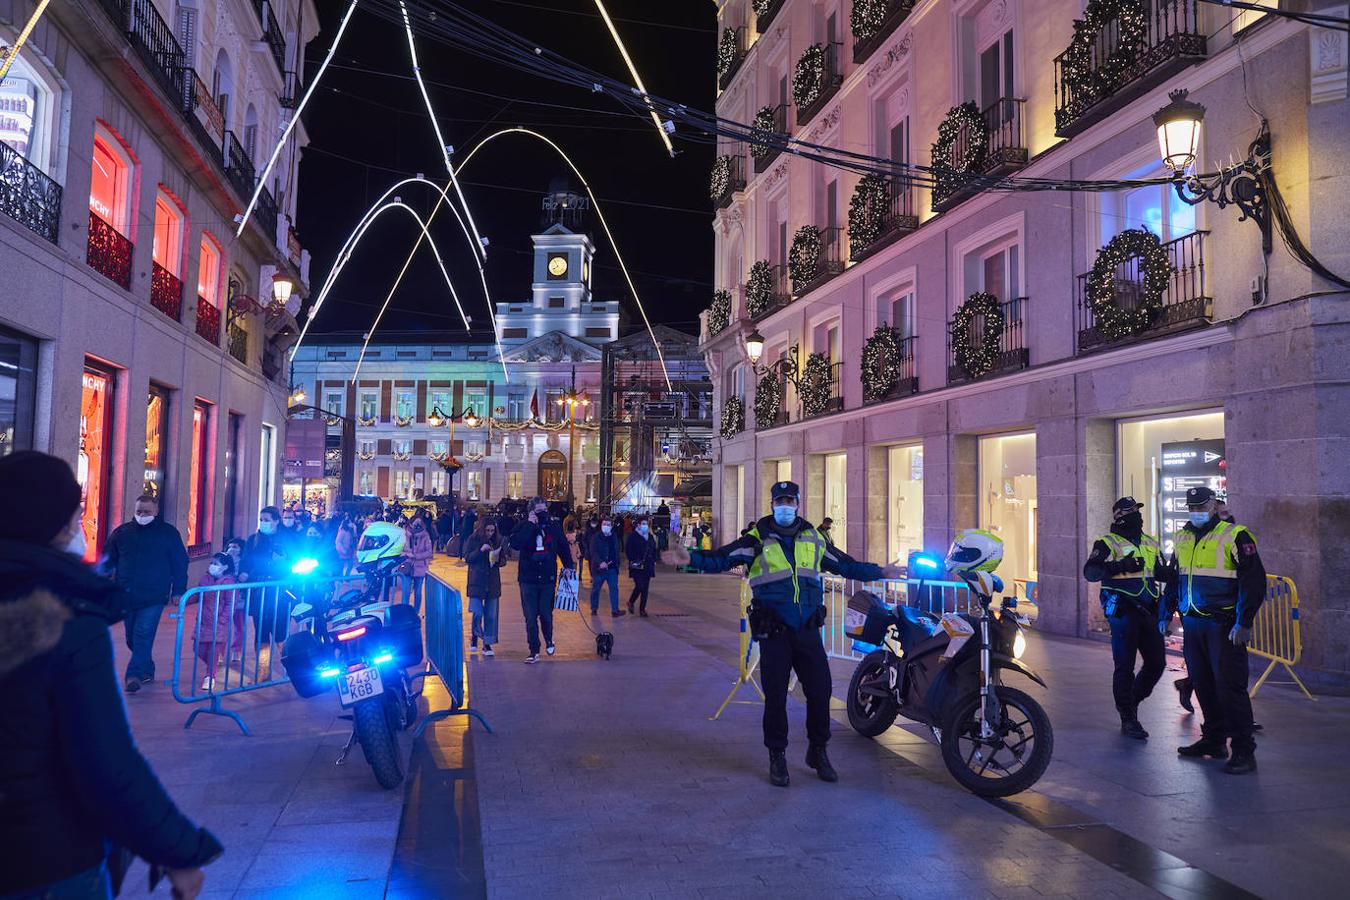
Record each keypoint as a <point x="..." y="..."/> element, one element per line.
<point x="976" y="763"/>
<point x="870" y="715"/>
<point x="378" y="741"/>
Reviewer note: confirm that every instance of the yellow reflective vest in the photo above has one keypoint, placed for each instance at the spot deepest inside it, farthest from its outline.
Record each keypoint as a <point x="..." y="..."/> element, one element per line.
<point x="1141" y="585"/>
<point x="1207" y="569"/>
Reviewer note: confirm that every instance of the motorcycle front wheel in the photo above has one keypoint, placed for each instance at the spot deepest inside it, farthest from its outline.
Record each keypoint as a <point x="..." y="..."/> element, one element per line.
<point x="1012" y="759"/>
<point x="378" y="741"/>
<point x="869" y="714"/>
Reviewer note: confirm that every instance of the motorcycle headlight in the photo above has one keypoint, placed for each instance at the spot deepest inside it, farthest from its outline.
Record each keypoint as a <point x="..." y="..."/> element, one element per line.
<point x="304" y="566"/>
<point x="1019" y="644"/>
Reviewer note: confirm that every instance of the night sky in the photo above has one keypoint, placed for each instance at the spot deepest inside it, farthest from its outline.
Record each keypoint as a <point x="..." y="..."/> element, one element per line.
<point x="368" y="129"/>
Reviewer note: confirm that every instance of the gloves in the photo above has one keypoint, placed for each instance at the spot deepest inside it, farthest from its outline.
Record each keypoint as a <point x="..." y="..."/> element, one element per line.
<point x="1165" y="625"/>
<point x="1132" y="564"/>
<point x="1240" y="635"/>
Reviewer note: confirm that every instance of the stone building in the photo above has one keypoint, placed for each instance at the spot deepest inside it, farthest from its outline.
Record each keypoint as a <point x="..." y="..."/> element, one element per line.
<point x="956" y="371"/>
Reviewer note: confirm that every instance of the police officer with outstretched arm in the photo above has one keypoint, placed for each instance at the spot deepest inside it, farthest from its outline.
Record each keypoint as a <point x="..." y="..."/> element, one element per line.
<point x="1219" y="586"/>
<point x="785" y="556"/>
<point x="1131" y="571"/>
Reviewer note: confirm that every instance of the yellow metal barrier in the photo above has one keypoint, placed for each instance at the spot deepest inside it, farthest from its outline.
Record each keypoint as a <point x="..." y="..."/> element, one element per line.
<point x="1275" y="632"/>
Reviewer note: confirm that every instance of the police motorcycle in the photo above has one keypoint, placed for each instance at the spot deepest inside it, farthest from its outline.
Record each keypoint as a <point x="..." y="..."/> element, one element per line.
<point x="361" y="646"/>
<point x="946" y="672"/>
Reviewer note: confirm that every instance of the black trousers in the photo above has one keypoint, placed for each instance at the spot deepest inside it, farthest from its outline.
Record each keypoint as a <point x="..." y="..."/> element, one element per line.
<point x="642" y="584"/>
<point x="1218" y="671"/>
<point x="802" y="651"/>
<point x="1135" y="633"/>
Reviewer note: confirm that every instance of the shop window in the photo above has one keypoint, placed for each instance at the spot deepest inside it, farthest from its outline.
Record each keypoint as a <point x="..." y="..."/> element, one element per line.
<point x="156" y="442"/>
<point x="1007" y="503"/>
<point x="18" y="390"/>
<point x="199" y="484"/>
<point x="28" y="109"/>
<point x="474" y="484"/>
<point x="93" y="464"/>
<point x="208" y="271"/>
<point x="233" y="458"/>
<point x="168" y="239"/>
<point x="111" y="184"/>
<point x="514" y="484"/>
<point x="836" y="498"/>
<point x="267" y="466"/>
<point x="1160" y="458"/>
<point x="904" y="502"/>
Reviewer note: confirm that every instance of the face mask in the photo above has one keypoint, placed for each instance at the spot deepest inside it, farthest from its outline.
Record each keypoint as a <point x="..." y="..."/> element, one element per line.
<point x="76" y="545"/>
<point x="1200" y="519"/>
<point x="288" y="522"/>
<point x="606" y="529"/>
<point x="267" y="527"/>
<point x="1132" y="522"/>
<point x="784" y="515"/>
<point x="216" y="570"/>
<point x="642" y="530"/>
<point x="144" y="520"/>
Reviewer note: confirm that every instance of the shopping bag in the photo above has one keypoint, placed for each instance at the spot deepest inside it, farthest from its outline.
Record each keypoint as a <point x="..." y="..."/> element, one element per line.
<point x="566" y="598"/>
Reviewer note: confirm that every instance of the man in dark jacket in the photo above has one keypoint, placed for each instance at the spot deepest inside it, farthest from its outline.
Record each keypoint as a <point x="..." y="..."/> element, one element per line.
<point x="73" y="782"/>
<point x="147" y="558"/>
<point x="640" y="548"/>
<point x="602" y="555"/>
<point x="540" y="543"/>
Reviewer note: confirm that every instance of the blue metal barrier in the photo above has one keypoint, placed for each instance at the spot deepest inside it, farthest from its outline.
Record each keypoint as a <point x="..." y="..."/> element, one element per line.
<point x="445" y="650"/>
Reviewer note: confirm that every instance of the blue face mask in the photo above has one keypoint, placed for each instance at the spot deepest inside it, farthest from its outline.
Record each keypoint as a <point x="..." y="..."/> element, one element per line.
<point x="784" y="515"/>
<point x="1200" y="519"/>
<point x="642" y="530"/>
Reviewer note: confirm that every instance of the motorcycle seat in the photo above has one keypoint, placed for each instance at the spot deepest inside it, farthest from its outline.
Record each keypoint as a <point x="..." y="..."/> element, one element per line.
<point x="915" y="626"/>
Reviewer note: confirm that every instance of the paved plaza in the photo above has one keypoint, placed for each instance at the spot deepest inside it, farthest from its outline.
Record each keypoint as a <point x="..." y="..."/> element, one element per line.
<point x="607" y="779"/>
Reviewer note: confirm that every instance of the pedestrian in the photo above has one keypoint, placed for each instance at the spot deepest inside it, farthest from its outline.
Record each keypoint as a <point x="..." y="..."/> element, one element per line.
<point x="541" y="545"/>
<point x="591" y="530"/>
<point x="445" y="529"/>
<point x="344" y="546"/>
<point x="79" y="798"/>
<point x="785" y="557"/>
<point x="264" y="561"/>
<point x="147" y="558"/>
<point x="486" y="556"/>
<point x="420" y="551"/>
<point x="574" y="545"/>
<point x="1220" y="584"/>
<point x="640" y="548"/>
<point x="466" y="527"/>
<point x="235" y="548"/>
<point x="825" y="525"/>
<point x="1128" y="565"/>
<point x="220" y="617"/>
<point x="602" y="555"/>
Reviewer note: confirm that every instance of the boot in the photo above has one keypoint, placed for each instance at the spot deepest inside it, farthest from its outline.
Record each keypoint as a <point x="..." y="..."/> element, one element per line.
<point x="1184" y="691"/>
<point x="778" y="773"/>
<point x="1241" y="764"/>
<point x="1130" y="727"/>
<point x="1205" y="747"/>
<point x="818" y="760"/>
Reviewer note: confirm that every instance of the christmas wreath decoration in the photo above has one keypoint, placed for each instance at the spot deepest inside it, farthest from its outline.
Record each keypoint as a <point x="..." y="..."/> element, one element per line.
<point x="768" y="400"/>
<point x="949" y="174"/>
<point x="1087" y="77"/>
<point x="808" y="79"/>
<point x="719" y="312"/>
<point x="759" y="288"/>
<point x="760" y="6"/>
<point x="816" y="385"/>
<point x="1114" y="321"/>
<point x="733" y="418"/>
<point x="867" y="212"/>
<point x="977" y="361"/>
<point x="764" y="123"/>
<point x="804" y="259"/>
<point x="881" y="356"/>
<point x="728" y="50"/>
<point x="721" y="177"/>
<point x="866" y="18"/>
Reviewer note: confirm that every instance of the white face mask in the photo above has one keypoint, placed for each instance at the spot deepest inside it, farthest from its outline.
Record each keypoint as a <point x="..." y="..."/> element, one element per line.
<point x="216" y="570"/>
<point x="267" y="527"/>
<point x="144" y="520"/>
<point x="76" y="545"/>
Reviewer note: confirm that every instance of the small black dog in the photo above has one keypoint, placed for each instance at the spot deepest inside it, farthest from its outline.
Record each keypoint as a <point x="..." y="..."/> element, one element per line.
<point x="604" y="644"/>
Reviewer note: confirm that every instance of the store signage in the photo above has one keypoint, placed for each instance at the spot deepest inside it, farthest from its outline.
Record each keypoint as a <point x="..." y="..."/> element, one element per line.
<point x="304" y="452"/>
<point x="1188" y="464"/>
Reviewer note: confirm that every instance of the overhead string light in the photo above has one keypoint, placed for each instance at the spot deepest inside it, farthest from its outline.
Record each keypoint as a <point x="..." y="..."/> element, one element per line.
<point x="637" y="79"/>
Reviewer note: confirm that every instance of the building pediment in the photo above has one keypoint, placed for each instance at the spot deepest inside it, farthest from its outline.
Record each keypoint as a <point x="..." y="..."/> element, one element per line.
<point x="554" y="347"/>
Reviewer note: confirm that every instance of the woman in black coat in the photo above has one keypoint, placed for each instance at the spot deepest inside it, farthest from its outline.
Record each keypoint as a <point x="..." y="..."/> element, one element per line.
<point x="640" y="549"/>
<point x="486" y="556"/>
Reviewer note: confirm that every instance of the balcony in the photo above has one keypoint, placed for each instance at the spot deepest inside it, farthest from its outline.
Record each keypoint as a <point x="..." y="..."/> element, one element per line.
<point x="208" y="321"/>
<point x="719" y="313"/>
<point x="108" y="252"/>
<point x="817" y="256"/>
<point x="728" y="177"/>
<point x="1008" y="354"/>
<point x="888" y="366"/>
<point x="872" y="21"/>
<point x="881" y="212"/>
<point x="204" y="116"/>
<point x="821" y="387"/>
<point x="239" y="168"/>
<point x="765" y="10"/>
<point x="1110" y="62"/>
<point x="817" y="78"/>
<point x="276" y="41"/>
<point x="236" y="336"/>
<point x="769" y="396"/>
<point x="771" y="135"/>
<point x="1186" y="303"/>
<point x="766" y="291"/>
<point x="974" y="147"/>
<point x="27" y="195"/>
<point x="166" y="292"/>
<point x="291" y="89"/>
<point x="731" y="52"/>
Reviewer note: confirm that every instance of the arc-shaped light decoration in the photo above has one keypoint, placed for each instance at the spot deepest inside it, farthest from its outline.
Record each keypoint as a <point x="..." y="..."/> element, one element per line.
<point x="637" y="79"/>
<point x="600" y="213"/>
<point x="295" y="119"/>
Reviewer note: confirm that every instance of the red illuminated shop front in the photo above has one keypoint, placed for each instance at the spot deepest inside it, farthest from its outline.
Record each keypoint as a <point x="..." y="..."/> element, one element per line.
<point x="96" y="403"/>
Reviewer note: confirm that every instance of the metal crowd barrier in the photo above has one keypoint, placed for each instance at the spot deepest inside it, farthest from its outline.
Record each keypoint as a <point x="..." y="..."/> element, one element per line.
<point x="229" y="638"/>
<point x="445" y="650"/>
<point x="1275" y="632"/>
<point x="935" y="596"/>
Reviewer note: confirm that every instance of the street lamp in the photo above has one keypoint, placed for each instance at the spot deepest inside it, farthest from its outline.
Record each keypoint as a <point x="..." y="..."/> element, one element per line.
<point x="754" y="347"/>
<point x="787" y="366"/>
<point x="281" y="289"/>
<point x="436" y="418"/>
<point x="572" y="399"/>
<point x="1179" y="131"/>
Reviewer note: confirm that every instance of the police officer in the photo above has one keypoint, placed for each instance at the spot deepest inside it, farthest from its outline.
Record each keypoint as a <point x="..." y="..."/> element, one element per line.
<point x="1131" y="571"/>
<point x="1220" y="584"/>
<point x="785" y="556"/>
<point x="1183" y="685"/>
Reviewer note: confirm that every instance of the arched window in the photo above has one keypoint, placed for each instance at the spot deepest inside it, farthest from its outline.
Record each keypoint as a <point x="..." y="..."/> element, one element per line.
<point x="28" y="113"/>
<point x="111" y="189"/>
<point x="251" y="132"/>
<point x="222" y="84"/>
<point x="168" y="240"/>
<point x="208" y="271"/>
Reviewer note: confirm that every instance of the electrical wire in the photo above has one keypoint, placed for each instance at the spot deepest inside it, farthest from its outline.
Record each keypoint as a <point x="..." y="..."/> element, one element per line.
<point x="1317" y="20"/>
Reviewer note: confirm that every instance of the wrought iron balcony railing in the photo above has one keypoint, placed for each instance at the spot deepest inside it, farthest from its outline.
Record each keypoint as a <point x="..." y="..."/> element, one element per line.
<point x="774" y="131"/>
<point x="208" y="321"/>
<point x="738" y="41"/>
<point x="987" y="145"/>
<point x="237" y="339"/>
<point x="728" y="178"/>
<point x="765" y="10"/>
<point x="868" y="35"/>
<point x="276" y="41"/>
<point x="1186" y="303"/>
<point x="27" y="195"/>
<point x="108" y="252"/>
<point x="906" y="381"/>
<point x="829" y="261"/>
<point x="1113" y="59"/>
<point x="831" y="399"/>
<point x="897" y="219"/>
<point x="166" y="292"/>
<point x="291" y="90"/>
<point x="831" y="79"/>
<point x="1009" y="355"/>
<point x="779" y="295"/>
<point x="239" y="169"/>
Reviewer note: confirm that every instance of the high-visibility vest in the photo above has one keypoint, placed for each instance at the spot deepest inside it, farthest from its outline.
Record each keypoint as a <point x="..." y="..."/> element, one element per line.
<point x="771" y="563"/>
<point x="1139" y="584"/>
<point x="1208" y="568"/>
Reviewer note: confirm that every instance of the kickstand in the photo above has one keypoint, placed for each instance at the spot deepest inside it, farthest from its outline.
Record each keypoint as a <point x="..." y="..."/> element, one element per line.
<point x="351" y="742"/>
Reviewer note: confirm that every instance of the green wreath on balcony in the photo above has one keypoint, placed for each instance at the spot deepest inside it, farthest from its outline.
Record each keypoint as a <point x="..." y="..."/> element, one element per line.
<point x="728" y="50"/>
<point x="804" y="259"/>
<point x="720" y="180"/>
<point x="816" y="385"/>
<point x="880" y="363"/>
<point x="949" y="174"/>
<point x="759" y="288"/>
<point x="719" y="312"/>
<point x="867" y="212"/>
<point x="760" y="6"/>
<point x="977" y="361"/>
<point x="866" y="18"/>
<point x="1114" y="321"/>
<point x="808" y="79"/>
<point x="733" y="418"/>
<point x="768" y="400"/>
<point x="763" y="122"/>
<point x="1084" y="75"/>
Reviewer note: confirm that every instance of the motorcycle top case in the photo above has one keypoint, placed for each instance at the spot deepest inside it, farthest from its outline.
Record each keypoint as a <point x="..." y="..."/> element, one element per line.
<point x="403" y="635"/>
<point x="302" y="657"/>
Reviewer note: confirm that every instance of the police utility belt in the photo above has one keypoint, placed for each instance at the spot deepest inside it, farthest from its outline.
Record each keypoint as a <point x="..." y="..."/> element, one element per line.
<point x="765" y="623"/>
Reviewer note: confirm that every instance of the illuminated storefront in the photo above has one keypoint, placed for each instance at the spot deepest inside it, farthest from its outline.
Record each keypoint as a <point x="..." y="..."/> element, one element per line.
<point x="1161" y="457"/>
<point x="836" y="498"/>
<point x="1007" y="502"/>
<point x="904" y="507"/>
<point x="199" y="491"/>
<point x="156" y="441"/>
<point x="92" y="468"/>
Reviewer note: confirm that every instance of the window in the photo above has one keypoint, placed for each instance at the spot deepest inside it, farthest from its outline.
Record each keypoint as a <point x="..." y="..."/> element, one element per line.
<point x="28" y="110"/>
<point x="986" y="51"/>
<point x="836" y="497"/>
<point x="994" y="268"/>
<point x="92" y="465"/>
<point x="826" y="340"/>
<point x="332" y="402"/>
<point x="556" y="302"/>
<point x="366" y="449"/>
<point x="403" y="446"/>
<point x="514" y="484"/>
<point x="233" y="458"/>
<point x="896" y="309"/>
<point x="904" y="502"/>
<point x="267" y="466"/>
<point x="473" y="448"/>
<point x="402" y="483"/>
<point x="208" y="271"/>
<point x="439" y="448"/>
<point x="516" y="407"/>
<point x="199" y="492"/>
<point x="439" y="400"/>
<point x="1154" y="207"/>
<point x="476" y="401"/>
<point x="474" y="482"/>
<point x="1160" y="458"/>
<point x="405" y="405"/>
<point x="18" y="390"/>
<point x="156" y="441"/>
<point x="168" y="239"/>
<point x="222" y="84"/>
<point x="440" y="483"/>
<point x="592" y="488"/>
<point x="110" y="188"/>
<point x="251" y="131"/>
<point x="514" y="333"/>
<point x="592" y="332"/>
<point x="370" y="404"/>
<point x="996" y="70"/>
<point x="366" y="481"/>
<point x="1245" y="18"/>
<point x="1008" y="502"/>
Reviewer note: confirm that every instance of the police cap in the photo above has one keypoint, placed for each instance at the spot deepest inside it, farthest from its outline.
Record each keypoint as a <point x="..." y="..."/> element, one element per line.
<point x="784" y="489"/>
<point x="1199" y="496"/>
<point x="1124" y="506"/>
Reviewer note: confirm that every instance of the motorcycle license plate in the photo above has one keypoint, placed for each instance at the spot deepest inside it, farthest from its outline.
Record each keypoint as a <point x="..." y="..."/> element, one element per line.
<point x="358" y="685"/>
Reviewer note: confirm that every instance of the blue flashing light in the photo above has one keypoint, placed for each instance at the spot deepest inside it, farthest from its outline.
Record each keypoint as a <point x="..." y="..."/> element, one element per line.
<point x="304" y="566"/>
<point x="926" y="562"/>
<point x="328" y="673"/>
<point x="383" y="658"/>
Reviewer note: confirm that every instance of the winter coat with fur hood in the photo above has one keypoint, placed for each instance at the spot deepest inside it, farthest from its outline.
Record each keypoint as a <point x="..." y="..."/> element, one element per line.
<point x="72" y="779"/>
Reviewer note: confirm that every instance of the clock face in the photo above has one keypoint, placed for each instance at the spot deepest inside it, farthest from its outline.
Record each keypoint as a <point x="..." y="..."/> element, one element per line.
<point x="557" y="266"/>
